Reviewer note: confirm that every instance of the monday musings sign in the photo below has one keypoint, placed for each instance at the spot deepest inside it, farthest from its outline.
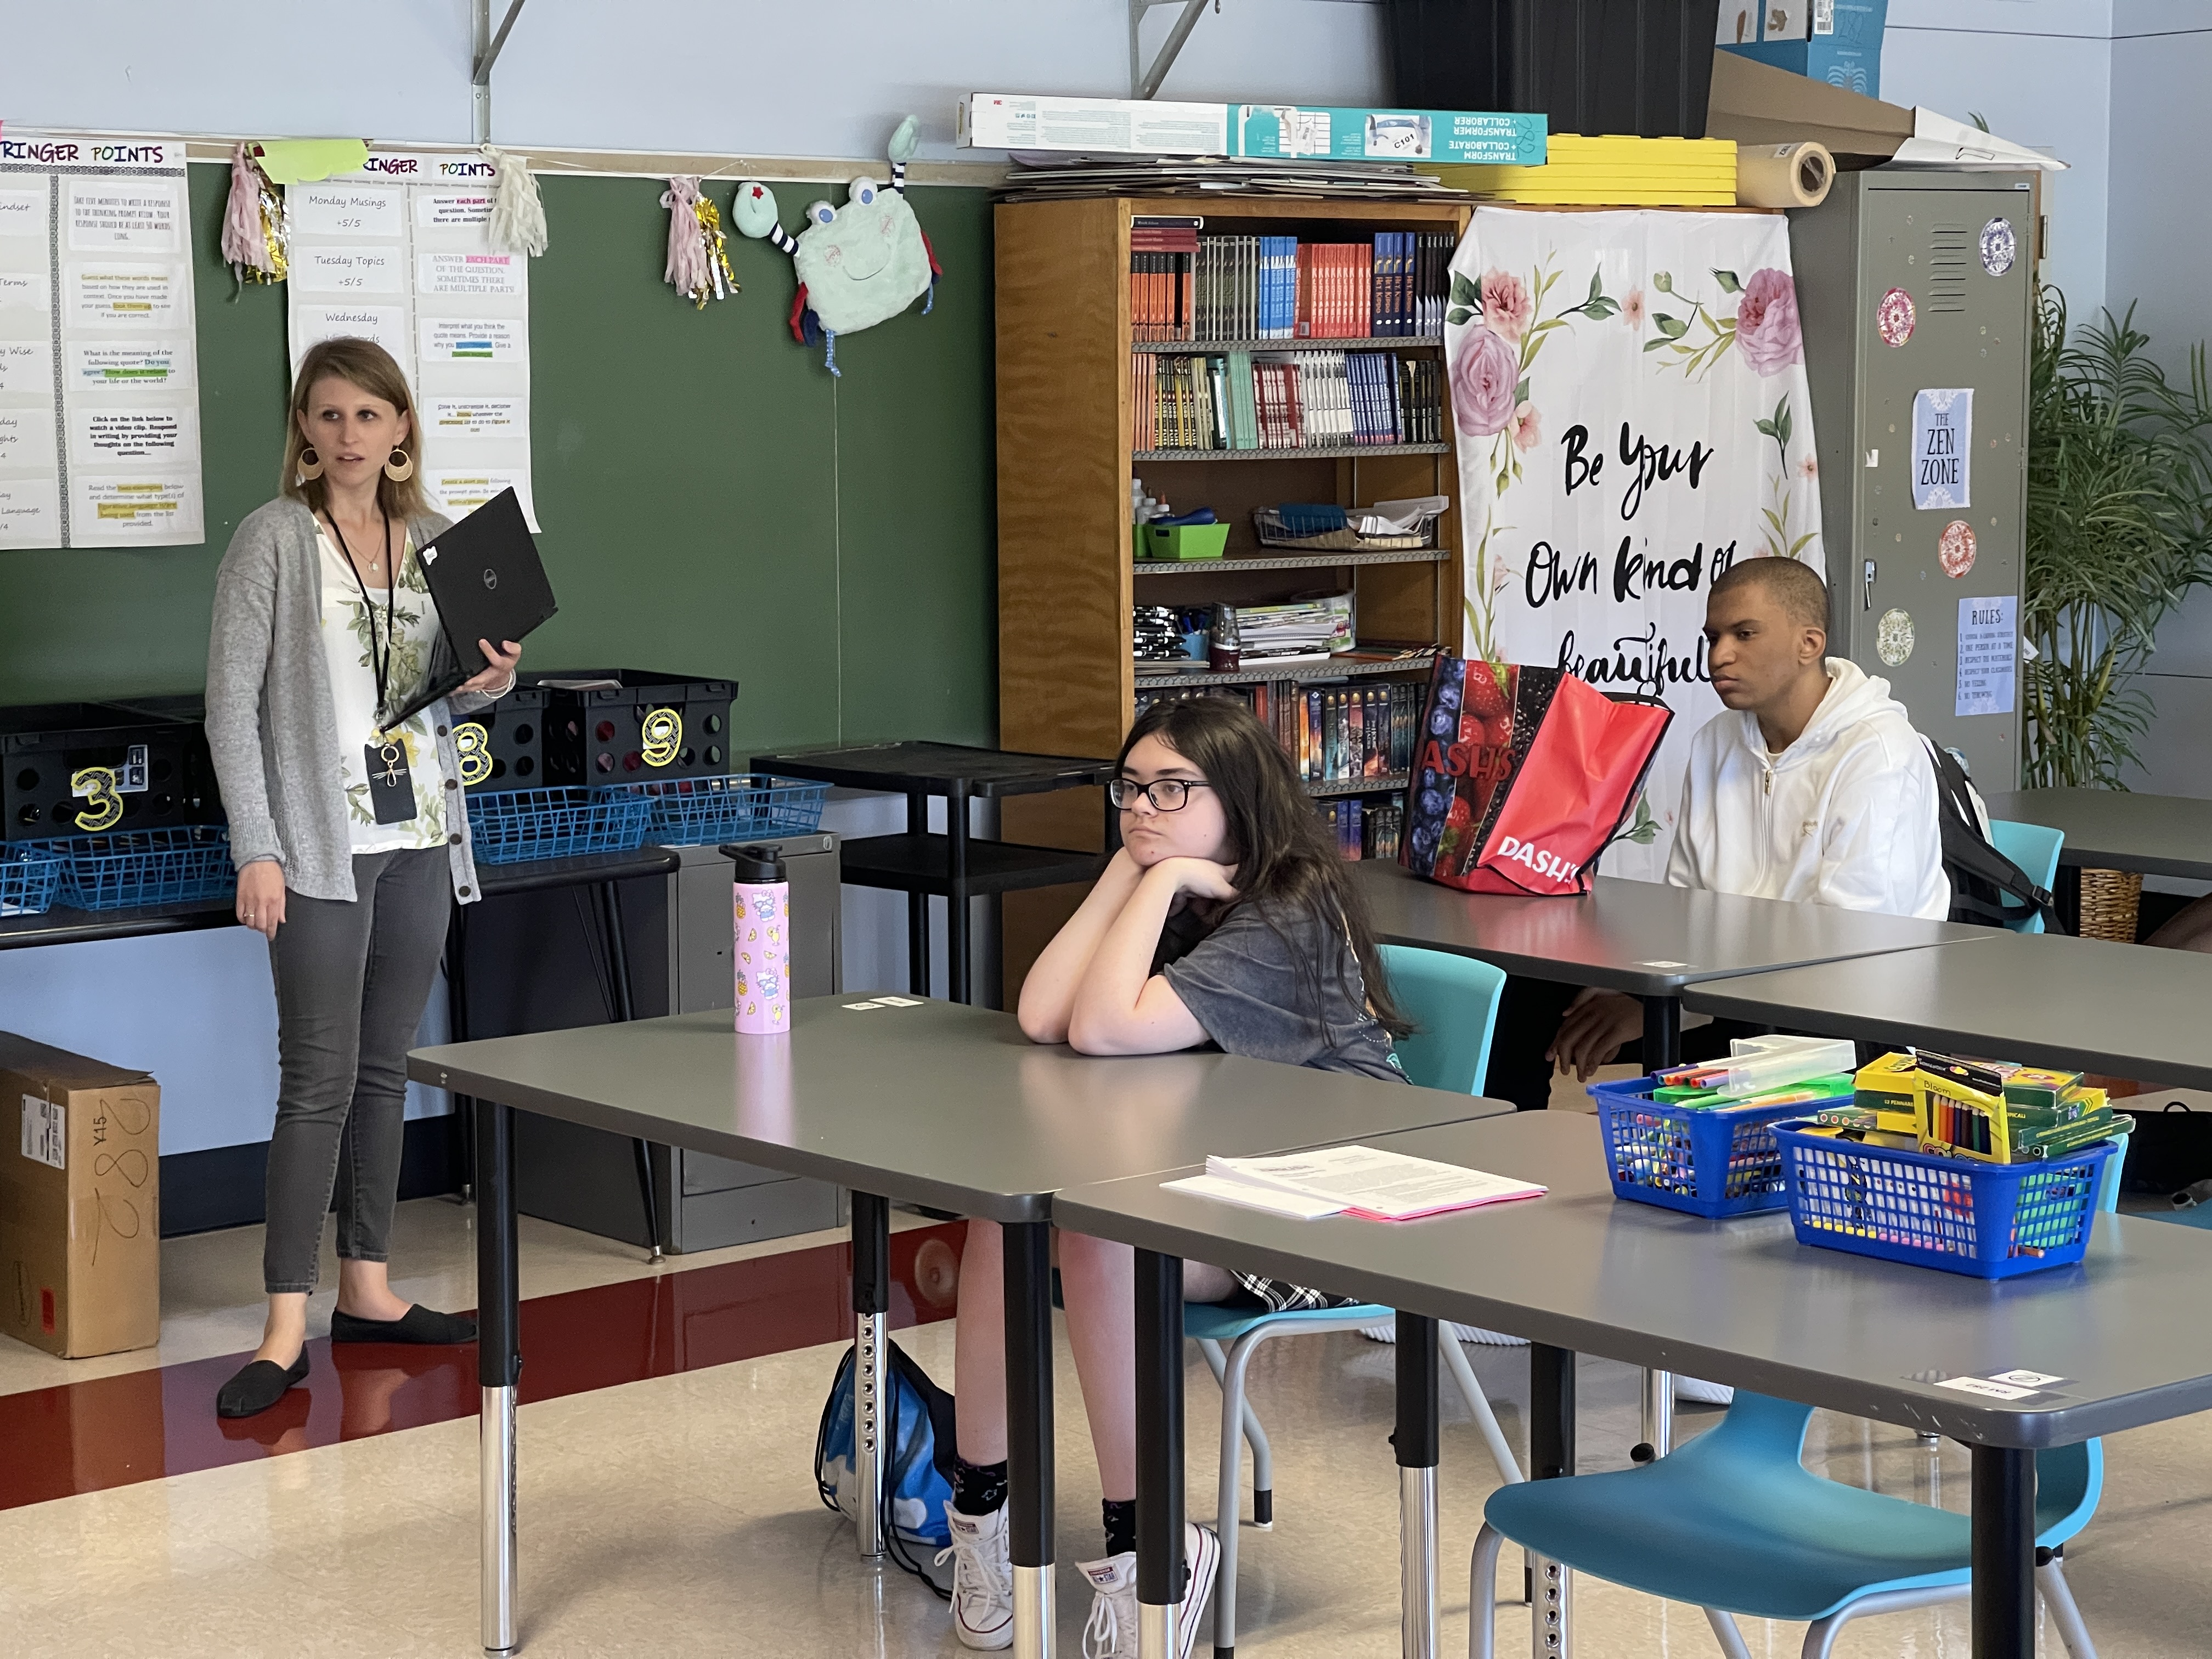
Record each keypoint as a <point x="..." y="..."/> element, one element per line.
<point x="1629" y="398"/>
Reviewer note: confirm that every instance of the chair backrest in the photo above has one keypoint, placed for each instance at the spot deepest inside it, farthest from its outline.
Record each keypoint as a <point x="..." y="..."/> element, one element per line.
<point x="1453" y="1003"/>
<point x="2034" y="847"/>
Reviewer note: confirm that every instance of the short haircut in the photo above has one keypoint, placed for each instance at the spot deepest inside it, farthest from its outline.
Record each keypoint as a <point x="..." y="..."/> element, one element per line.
<point x="1797" y="588"/>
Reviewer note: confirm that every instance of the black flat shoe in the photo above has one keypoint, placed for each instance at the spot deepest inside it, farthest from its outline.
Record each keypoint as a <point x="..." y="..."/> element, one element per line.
<point x="418" y="1324"/>
<point x="260" y="1385"/>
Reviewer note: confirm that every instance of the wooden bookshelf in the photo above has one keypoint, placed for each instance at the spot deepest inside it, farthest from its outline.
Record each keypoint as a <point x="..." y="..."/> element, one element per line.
<point x="1068" y="684"/>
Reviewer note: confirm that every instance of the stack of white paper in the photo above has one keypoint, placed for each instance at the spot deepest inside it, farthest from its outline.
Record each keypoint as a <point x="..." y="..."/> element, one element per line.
<point x="1358" y="1180"/>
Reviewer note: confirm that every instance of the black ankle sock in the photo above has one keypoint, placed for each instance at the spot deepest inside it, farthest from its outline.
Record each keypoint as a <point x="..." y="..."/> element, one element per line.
<point x="978" y="1489"/>
<point x="1121" y="1524"/>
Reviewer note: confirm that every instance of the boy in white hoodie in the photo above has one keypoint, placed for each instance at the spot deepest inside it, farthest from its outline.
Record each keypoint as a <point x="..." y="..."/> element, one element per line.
<point x="1811" y="784"/>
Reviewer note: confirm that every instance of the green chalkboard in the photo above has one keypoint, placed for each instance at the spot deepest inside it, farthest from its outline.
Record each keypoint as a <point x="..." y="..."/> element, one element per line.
<point x="714" y="502"/>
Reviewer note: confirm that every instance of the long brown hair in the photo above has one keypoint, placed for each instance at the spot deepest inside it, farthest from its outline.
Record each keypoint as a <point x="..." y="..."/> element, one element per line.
<point x="368" y="366"/>
<point x="1285" y="859"/>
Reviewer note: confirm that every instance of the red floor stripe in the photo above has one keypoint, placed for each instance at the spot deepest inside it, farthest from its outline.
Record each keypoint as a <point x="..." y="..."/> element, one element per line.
<point x="116" y="1430"/>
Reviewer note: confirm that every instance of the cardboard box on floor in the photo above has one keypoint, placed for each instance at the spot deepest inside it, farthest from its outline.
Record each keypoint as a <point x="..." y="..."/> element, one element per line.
<point x="80" y="1202"/>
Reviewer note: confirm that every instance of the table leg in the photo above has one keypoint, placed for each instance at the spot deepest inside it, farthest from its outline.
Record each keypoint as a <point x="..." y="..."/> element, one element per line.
<point x="1550" y="1457"/>
<point x="499" y="1364"/>
<point x="457" y="1017"/>
<point x="609" y="904"/>
<point x="1159" y="1456"/>
<point x="871" y="1301"/>
<point x="917" y="905"/>
<point x="956" y="902"/>
<point x="1416" y="1441"/>
<point x="2003" y="1552"/>
<point x="1030" y="1495"/>
<point x="1662" y="1046"/>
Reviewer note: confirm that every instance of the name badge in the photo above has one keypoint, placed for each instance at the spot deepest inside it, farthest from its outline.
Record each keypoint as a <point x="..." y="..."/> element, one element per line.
<point x="391" y="785"/>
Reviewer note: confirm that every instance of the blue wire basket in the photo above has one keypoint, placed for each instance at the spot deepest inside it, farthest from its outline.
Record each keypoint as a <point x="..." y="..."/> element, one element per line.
<point x="128" y="869"/>
<point x="691" y="812"/>
<point x="28" y="881"/>
<point x="518" y="825"/>
<point x="1987" y="1220"/>
<point x="1712" y="1161"/>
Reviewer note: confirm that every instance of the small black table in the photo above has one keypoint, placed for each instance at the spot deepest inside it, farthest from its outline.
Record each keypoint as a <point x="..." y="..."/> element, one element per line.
<point x="2119" y="829"/>
<point x="918" y="863"/>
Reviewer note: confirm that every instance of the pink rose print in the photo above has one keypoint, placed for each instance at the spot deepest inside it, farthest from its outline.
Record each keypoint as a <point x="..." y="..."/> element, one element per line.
<point x="1766" y="331"/>
<point x="1633" y="310"/>
<point x="1507" y="307"/>
<point x="1483" y="377"/>
<point x="1527" y="427"/>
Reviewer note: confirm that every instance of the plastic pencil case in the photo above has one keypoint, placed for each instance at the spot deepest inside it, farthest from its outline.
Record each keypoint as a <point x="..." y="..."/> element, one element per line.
<point x="1987" y="1220"/>
<point x="689" y="812"/>
<point x="1714" y="1161"/>
<point x="28" y="881"/>
<point x="126" y="870"/>
<point x="518" y="825"/>
<point x="1273" y="532"/>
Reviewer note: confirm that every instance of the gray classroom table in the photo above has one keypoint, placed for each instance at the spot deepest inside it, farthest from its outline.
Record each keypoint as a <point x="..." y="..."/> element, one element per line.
<point x="925" y="1101"/>
<point x="1740" y="1302"/>
<point x="2119" y="830"/>
<point x="2041" y="999"/>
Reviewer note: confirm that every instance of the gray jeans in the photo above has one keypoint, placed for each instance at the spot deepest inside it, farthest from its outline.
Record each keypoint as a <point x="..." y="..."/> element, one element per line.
<point x="351" y="981"/>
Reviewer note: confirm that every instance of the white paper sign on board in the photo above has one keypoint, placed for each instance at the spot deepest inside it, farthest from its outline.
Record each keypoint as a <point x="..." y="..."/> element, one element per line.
<point x="1987" y="648"/>
<point x="1943" y="448"/>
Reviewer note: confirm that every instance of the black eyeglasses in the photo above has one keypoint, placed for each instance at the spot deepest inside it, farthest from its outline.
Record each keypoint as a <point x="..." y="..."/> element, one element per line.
<point x="1166" y="794"/>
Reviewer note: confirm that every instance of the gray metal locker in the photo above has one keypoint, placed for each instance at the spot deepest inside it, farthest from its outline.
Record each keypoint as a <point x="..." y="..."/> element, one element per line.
<point x="1958" y="246"/>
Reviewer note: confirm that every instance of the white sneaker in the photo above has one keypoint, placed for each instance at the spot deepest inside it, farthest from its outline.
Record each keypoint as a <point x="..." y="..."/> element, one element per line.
<point x="983" y="1578"/>
<point x="1110" y="1632"/>
<point x="1457" y="1332"/>
<point x="1704" y="1394"/>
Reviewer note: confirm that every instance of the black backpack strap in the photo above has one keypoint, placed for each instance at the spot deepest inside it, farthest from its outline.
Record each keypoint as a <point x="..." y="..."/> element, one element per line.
<point x="1981" y="877"/>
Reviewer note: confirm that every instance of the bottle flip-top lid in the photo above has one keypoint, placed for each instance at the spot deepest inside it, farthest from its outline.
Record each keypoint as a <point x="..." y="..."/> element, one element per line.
<point x="757" y="863"/>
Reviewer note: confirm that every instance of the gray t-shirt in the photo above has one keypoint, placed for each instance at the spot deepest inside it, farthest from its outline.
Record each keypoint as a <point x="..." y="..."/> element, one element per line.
<point x="1247" y="982"/>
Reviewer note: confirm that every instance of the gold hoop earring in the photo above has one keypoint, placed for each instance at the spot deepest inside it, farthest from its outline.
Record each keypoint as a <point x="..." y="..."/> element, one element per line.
<point x="311" y="464"/>
<point x="399" y="467"/>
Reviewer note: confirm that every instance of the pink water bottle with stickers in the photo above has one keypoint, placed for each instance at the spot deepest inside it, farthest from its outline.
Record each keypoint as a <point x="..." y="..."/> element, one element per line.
<point x="760" y="947"/>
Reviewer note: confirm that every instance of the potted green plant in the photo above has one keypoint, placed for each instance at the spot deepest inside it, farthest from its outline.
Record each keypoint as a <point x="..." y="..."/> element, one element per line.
<point x="2120" y="529"/>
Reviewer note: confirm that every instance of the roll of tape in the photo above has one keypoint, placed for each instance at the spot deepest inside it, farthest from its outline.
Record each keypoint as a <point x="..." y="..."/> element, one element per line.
<point x="1784" y="175"/>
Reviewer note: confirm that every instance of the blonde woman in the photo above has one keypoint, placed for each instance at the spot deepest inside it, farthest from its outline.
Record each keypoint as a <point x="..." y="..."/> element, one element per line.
<point x="347" y="830"/>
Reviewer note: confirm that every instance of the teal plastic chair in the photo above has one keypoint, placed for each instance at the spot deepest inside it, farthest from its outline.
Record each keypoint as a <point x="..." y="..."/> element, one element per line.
<point x="1453" y="1003"/>
<point x="1735" y="1523"/>
<point x="2034" y="847"/>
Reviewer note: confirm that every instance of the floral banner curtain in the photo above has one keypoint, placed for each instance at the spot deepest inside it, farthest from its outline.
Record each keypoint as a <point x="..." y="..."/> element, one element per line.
<point x="1629" y="391"/>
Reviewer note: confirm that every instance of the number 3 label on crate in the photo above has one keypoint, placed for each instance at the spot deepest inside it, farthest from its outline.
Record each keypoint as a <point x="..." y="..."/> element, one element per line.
<point x="46" y="1132"/>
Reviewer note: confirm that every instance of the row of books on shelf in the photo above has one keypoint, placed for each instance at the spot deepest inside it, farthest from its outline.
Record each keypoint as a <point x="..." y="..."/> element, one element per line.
<point x="1332" y="734"/>
<point x="1183" y="286"/>
<point x="1285" y="400"/>
<point x="1366" y="828"/>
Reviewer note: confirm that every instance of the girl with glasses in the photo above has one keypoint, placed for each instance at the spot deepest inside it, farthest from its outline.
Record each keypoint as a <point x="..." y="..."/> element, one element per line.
<point x="1227" y="918"/>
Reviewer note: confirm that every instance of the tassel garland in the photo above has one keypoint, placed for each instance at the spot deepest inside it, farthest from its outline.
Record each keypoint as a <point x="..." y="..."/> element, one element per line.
<point x="517" y="217"/>
<point x="698" y="266"/>
<point x="255" y="234"/>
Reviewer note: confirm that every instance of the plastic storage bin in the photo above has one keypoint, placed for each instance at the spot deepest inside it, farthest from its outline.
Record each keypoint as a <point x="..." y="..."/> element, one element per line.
<point x="28" y="880"/>
<point x="1713" y="1162"/>
<point x="1170" y="543"/>
<point x="1986" y="1220"/>
<point x="518" y="825"/>
<point x="691" y="812"/>
<point x="129" y="869"/>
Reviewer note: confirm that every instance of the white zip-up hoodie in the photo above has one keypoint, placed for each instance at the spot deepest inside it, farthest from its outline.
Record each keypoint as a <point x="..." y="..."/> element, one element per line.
<point x="1845" y="816"/>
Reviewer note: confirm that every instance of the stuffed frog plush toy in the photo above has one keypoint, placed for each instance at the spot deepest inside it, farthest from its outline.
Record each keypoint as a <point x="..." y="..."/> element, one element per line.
<point x="858" y="264"/>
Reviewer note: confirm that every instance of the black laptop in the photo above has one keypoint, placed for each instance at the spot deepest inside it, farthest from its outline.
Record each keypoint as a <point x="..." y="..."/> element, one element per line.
<point x="485" y="576"/>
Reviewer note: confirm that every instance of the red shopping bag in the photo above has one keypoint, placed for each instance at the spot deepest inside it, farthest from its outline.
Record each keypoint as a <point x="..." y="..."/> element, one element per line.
<point x="1523" y="776"/>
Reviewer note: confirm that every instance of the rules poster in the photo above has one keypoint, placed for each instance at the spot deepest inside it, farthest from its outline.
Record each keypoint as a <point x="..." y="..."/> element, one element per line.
<point x="400" y="253"/>
<point x="1629" y="391"/>
<point x="99" y="428"/>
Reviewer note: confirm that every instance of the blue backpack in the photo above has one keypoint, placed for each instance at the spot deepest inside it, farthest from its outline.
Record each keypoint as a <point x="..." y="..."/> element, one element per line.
<point x="918" y="1480"/>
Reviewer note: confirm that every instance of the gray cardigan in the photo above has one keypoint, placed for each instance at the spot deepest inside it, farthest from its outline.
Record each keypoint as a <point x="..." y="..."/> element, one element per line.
<point x="272" y="724"/>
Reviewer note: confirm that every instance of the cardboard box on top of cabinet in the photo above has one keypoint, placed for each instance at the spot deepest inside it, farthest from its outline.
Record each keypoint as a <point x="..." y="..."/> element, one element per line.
<point x="80" y="1202"/>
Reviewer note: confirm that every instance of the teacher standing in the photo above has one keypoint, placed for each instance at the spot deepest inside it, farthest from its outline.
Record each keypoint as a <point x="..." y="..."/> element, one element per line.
<point x="348" y="830"/>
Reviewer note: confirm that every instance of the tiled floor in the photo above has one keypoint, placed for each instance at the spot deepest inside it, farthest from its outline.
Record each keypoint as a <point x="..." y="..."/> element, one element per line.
<point x="677" y="1515"/>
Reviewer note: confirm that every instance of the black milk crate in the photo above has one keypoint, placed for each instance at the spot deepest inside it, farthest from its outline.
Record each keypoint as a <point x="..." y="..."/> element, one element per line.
<point x="633" y="726"/>
<point x="503" y="747"/>
<point x="78" y="769"/>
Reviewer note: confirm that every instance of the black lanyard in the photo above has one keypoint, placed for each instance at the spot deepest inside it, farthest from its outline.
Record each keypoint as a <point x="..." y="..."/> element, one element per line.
<point x="379" y="662"/>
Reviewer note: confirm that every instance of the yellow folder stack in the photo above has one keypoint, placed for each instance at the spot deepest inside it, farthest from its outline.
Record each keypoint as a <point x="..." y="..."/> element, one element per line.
<point x="1612" y="173"/>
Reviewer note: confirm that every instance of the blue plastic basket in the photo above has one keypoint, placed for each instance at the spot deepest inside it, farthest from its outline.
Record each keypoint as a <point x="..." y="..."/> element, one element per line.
<point x="691" y="812"/>
<point x="27" y="880"/>
<point x="1710" y="1161"/>
<point x="128" y="869"/>
<point x="1987" y="1220"/>
<point x="518" y="825"/>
